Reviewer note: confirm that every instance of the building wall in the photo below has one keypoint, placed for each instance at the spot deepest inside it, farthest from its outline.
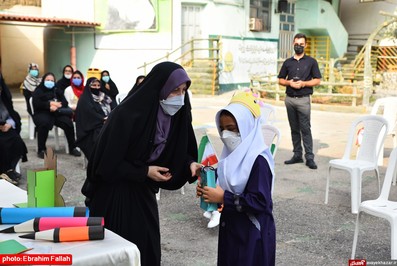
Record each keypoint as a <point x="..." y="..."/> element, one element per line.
<point x="122" y="52"/>
<point x="363" y="18"/>
<point x="20" y="45"/>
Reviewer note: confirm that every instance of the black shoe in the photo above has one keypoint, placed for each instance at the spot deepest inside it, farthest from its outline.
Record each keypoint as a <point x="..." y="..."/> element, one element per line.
<point x="13" y="175"/>
<point x="294" y="160"/>
<point x="75" y="152"/>
<point x="311" y="164"/>
<point x="40" y="154"/>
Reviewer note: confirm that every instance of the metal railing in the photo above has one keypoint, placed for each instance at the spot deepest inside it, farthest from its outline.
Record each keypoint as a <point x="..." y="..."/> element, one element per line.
<point x="329" y="86"/>
<point x="189" y="52"/>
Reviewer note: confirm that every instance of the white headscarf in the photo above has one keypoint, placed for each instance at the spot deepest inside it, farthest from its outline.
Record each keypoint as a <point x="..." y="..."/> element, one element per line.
<point x="234" y="167"/>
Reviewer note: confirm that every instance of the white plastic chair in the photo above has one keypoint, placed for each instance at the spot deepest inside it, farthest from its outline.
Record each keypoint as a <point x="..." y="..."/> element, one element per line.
<point x="120" y="97"/>
<point x="55" y="129"/>
<point x="387" y="107"/>
<point x="272" y="136"/>
<point x="382" y="207"/>
<point x="375" y="129"/>
<point x="268" y="114"/>
<point x="158" y="193"/>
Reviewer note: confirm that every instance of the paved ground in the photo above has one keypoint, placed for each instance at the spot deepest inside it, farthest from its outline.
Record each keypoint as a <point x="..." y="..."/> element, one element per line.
<point x="308" y="231"/>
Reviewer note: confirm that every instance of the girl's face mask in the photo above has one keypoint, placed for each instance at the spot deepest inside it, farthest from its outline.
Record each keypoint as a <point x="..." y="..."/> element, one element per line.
<point x="230" y="139"/>
<point x="172" y="105"/>
<point x="106" y="79"/>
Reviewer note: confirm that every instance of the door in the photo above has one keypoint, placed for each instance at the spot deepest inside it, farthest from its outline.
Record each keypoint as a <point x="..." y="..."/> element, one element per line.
<point x="287" y="29"/>
<point x="191" y="28"/>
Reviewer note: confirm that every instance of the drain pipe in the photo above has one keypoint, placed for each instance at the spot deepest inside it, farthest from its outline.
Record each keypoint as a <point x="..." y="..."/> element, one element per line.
<point x="73" y="52"/>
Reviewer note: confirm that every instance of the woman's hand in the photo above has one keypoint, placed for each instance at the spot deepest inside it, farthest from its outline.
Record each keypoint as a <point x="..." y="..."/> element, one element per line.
<point x="209" y="194"/>
<point x="195" y="168"/>
<point x="4" y="128"/>
<point x="158" y="173"/>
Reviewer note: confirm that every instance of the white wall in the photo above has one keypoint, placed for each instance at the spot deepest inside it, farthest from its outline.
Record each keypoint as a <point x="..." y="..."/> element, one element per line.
<point x="20" y="45"/>
<point x="363" y="18"/>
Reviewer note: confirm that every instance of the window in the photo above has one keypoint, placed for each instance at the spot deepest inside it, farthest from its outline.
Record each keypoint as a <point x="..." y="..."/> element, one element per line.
<point x="260" y="13"/>
<point x="366" y="1"/>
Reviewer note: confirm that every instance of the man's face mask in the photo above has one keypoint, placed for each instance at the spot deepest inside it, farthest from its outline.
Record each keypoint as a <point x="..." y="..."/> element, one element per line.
<point x="299" y="49"/>
<point x="172" y="105"/>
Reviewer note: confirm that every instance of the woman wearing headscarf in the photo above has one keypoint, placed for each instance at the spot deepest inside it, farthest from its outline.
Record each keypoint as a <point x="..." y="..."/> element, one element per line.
<point x="138" y="81"/>
<point x="244" y="186"/>
<point x="12" y="147"/>
<point x="91" y="113"/>
<point x="32" y="80"/>
<point x="65" y="81"/>
<point x="108" y="86"/>
<point x="147" y="142"/>
<point x="74" y="91"/>
<point x="51" y="108"/>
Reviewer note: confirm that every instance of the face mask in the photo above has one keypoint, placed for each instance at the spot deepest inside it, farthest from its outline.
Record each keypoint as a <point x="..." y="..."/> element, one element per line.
<point x="230" y="139"/>
<point x="172" y="105"/>
<point x="95" y="91"/>
<point x="299" y="49"/>
<point x="68" y="76"/>
<point x="77" y="82"/>
<point x="49" y="84"/>
<point x="106" y="79"/>
<point x="34" y="72"/>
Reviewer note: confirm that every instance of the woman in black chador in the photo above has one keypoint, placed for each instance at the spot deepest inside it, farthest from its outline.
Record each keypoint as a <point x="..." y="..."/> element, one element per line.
<point x="51" y="108"/>
<point x="92" y="110"/>
<point x="147" y="142"/>
<point x="12" y="147"/>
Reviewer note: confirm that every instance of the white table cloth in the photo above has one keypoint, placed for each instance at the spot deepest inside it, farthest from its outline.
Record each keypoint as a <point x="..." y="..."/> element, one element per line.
<point x="113" y="250"/>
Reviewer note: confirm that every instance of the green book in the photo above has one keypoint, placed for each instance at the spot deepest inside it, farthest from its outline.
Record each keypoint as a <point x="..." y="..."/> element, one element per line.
<point x="12" y="247"/>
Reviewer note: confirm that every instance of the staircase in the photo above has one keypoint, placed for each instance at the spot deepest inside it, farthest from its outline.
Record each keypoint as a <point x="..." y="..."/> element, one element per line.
<point x="200" y="59"/>
<point x="205" y="77"/>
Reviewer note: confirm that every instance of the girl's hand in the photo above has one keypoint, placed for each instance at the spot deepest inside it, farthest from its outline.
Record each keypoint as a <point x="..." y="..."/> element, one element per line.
<point x="213" y="195"/>
<point x="158" y="173"/>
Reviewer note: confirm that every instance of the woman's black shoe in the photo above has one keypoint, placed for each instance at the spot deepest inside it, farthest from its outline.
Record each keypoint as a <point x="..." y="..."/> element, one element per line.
<point x="75" y="152"/>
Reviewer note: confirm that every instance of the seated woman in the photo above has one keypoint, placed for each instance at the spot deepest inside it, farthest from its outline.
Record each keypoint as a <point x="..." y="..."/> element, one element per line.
<point x="91" y="113"/>
<point x="51" y="108"/>
<point x="108" y="86"/>
<point x="66" y="79"/>
<point x="32" y="80"/>
<point x="74" y="91"/>
<point x="12" y="147"/>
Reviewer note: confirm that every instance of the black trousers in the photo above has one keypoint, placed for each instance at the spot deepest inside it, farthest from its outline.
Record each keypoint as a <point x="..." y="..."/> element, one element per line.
<point x="298" y="110"/>
<point x="44" y="123"/>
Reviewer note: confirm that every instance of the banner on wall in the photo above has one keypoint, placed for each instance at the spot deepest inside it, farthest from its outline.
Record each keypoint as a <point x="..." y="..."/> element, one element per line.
<point x="133" y="24"/>
<point x="241" y="59"/>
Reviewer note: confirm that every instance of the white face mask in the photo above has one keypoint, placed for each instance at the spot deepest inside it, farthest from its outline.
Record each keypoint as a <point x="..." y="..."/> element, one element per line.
<point x="230" y="139"/>
<point x="172" y="105"/>
<point x="68" y="76"/>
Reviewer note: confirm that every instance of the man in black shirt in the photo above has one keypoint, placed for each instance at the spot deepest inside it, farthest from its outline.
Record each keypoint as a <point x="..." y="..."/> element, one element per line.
<point x="300" y="74"/>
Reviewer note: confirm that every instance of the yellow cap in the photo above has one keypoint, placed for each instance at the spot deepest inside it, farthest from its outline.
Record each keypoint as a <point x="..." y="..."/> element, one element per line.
<point x="248" y="100"/>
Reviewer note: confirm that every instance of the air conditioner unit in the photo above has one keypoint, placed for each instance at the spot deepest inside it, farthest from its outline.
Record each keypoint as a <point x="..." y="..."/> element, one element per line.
<point x="256" y="24"/>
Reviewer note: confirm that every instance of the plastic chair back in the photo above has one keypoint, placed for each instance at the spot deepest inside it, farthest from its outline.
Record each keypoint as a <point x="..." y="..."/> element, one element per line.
<point x="389" y="106"/>
<point x="374" y="134"/>
<point x="391" y="172"/>
<point x="271" y="136"/>
<point x="268" y="114"/>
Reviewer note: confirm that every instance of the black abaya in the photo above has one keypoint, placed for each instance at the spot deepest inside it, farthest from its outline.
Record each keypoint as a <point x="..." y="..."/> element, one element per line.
<point x="117" y="184"/>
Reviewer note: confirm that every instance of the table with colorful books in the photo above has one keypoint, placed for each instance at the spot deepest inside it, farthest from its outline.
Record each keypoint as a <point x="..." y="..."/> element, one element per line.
<point x="112" y="250"/>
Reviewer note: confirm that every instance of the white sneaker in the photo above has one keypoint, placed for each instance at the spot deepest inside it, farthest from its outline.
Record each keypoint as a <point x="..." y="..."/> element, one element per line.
<point x="207" y="214"/>
<point x="214" y="221"/>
